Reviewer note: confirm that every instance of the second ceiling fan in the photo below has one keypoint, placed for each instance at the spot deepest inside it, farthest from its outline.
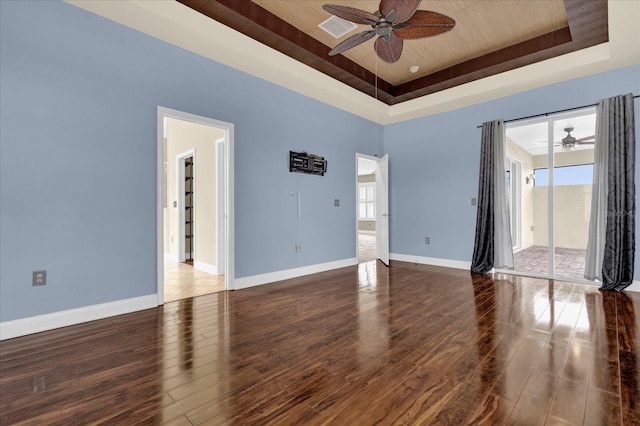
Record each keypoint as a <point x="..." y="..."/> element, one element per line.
<point x="569" y="141"/>
<point x="393" y="22"/>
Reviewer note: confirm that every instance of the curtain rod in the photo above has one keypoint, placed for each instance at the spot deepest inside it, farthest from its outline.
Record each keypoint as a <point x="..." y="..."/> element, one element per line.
<point x="552" y="112"/>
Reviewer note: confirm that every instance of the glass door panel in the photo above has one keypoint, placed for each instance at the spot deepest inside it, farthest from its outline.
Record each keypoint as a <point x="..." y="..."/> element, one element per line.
<point x="572" y="185"/>
<point x="527" y="153"/>
<point x="553" y="157"/>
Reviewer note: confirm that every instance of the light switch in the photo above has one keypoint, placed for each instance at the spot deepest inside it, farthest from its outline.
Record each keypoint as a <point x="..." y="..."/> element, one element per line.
<point x="336" y="203"/>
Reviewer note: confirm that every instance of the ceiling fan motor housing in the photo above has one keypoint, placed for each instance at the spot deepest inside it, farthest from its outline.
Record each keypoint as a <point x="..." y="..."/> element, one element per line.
<point x="393" y="22"/>
<point x="568" y="141"/>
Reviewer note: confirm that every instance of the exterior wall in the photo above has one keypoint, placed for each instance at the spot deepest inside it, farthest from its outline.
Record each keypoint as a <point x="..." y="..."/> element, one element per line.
<point x="572" y="210"/>
<point x="570" y="158"/>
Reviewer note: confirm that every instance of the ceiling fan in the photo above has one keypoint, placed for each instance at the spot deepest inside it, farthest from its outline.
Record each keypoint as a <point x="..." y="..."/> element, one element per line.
<point x="569" y="142"/>
<point x="393" y="22"/>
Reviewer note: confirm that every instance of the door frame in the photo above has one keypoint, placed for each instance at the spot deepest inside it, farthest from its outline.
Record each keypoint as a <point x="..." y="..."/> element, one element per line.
<point x="220" y="206"/>
<point x="180" y="188"/>
<point x="228" y="214"/>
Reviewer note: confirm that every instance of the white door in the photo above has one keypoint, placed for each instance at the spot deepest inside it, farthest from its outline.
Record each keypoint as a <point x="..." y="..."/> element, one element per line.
<point x="382" y="209"/>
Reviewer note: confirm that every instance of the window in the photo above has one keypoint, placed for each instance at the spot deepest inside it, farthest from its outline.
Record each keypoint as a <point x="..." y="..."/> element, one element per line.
<point x="367" y="201"/>
<point x="566" y="175"/>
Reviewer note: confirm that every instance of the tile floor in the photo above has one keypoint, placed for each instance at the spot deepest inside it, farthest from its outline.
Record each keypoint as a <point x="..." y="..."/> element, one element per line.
<point x="535" y="260"/>
<point x="182" y="280"/>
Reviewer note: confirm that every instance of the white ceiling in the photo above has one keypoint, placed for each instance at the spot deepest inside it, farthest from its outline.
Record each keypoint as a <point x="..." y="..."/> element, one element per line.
<point x="533" y="135"/>
<point x="181" y="26"/>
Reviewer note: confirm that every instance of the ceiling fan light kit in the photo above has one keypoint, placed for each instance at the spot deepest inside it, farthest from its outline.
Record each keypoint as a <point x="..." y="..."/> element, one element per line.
<point x="569" y="142"/>
<point x="393" y="22"/>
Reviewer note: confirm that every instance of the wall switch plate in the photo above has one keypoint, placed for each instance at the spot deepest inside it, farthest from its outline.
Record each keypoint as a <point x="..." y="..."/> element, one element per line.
<point x="39" y="278"/>
<point x="298" y="247"/>
<point x="474" y="201"/>
<point x="427" y="240"/>
<point x="336" y="203"/>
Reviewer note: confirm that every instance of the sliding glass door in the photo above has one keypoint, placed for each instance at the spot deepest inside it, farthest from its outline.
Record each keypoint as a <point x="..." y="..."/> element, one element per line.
<point x="552" y="205"/>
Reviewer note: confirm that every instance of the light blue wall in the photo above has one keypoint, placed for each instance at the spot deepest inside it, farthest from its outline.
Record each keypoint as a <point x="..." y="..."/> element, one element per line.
<point x="434" y="162"/>
<point x="78" y="159"/>
<point x="78" y="99"/>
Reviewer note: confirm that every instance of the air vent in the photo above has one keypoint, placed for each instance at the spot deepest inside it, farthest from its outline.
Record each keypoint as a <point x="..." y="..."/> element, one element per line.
<point x="337" y="27"/>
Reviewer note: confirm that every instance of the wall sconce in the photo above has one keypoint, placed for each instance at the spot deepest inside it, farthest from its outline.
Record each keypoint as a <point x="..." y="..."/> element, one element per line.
<point x="530" y="178"/>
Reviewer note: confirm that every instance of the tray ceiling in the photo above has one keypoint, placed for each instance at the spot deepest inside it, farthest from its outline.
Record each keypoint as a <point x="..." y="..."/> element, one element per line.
<point x="490" y="37"/>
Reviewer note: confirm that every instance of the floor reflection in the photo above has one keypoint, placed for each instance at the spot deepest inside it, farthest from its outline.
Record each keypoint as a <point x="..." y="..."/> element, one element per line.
<point x="368" y="275"/>
<point x="186" y="333"/>
<point x="373" y="310"/>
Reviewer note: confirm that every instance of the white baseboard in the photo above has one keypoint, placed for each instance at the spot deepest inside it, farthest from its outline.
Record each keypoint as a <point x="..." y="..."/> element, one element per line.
<point x="447" y="263"/>
<point x="271" y="277"/>
<point x="205" y="267"/>
<point x="38" y="323"/>
<point x="635" y="286"/>
<point x="364" y="231"/>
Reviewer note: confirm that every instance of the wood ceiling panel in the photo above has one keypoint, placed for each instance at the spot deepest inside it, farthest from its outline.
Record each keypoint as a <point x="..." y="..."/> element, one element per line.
<point x="491" y="36"/>
<point x="481" y="28"/>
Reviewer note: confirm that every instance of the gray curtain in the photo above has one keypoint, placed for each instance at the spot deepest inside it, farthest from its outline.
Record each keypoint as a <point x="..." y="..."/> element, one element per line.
<point x="492" y="246"/>
<point x="599" y="195"/>
<point x="619" y="250"/>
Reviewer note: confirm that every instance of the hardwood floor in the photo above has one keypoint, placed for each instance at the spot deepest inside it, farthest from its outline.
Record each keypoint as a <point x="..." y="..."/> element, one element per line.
<point x="411" y="344"/>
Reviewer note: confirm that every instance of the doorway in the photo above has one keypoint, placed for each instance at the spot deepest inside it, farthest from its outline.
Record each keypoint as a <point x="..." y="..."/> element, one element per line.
<point x="195" y="205"/>
<point x="551" y="197"/>
<point x="366" y="210"/>
<point x="372" y="208"/>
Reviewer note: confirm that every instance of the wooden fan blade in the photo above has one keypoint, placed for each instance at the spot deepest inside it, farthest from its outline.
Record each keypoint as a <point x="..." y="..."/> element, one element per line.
<point x="389" y="51"/>
<point x="404" y="8"/>
<point x="425" y="23"/>
<point x="351" y="14"/>
<point x="352" y="41"/>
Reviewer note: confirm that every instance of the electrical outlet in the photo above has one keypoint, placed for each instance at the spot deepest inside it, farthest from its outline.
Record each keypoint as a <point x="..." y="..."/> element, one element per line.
<point x="298" y="247"/>
<point x="533" y="228"/>
<point x="39" y="278"/>
<point x="474" y="201"/>
<point x="336" y="203"/>
<point x="427" y="240"/>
